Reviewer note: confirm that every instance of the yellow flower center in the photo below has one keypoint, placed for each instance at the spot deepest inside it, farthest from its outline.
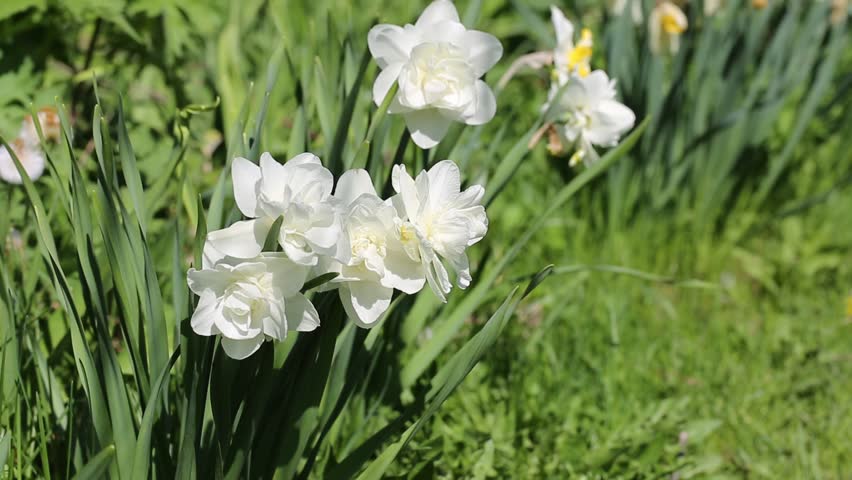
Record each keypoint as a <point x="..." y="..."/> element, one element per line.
<point x="579" y="56"/>
<point x="671" y="24"/>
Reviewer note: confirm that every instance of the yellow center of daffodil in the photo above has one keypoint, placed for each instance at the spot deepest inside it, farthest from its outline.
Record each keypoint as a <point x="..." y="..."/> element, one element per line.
<point x="579" y="56"/>
<point x="671" y="24"/>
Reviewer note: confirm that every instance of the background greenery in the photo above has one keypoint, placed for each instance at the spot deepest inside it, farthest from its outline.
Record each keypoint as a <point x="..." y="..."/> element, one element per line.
<point x="697" y="323"/>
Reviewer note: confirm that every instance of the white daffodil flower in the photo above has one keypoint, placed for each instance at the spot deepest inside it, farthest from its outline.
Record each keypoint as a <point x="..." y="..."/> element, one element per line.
<point x="437" y="63"/>
<point x="247" y="301"/>
<point x="666" y="24"/>
<point x="570" y="58"/>
<point x="712" y="6"/>
<point x="378" y="261"/>
<point x="50" y="127"/>
<point x="439" y="221"/>
<point x="618" y="7"/>
<point x="31" y="157"/>
<point x="300" y="192"/>
<point x="586" y="114"/>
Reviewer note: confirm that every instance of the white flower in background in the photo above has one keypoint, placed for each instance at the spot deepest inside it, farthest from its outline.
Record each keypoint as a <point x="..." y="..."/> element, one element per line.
<point x="570" y="58"/>
<point x="300" y="192"/>
<point x="248" y="301"/>
<point x="50" y="127"/>
<point x="711" y="7"/>
<point x="586" y="114"/>
<point x="618" y="7"/>
<point x="439" y="221"/>
<point x="31" y="157"/>
<point x="437" y="63"/>
<point x="665" y="26"/>
<point x="378" y="261"/>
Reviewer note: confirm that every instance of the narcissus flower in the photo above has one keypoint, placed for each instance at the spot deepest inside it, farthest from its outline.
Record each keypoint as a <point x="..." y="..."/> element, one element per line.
<point x="711" y="7"/>
<point x="618" y="7"/>
<point x="437" y="63"/>
<point x="378" y="263"/>
<point x="570" y="58"/>
<point x="300" y="192"/>
<point x="438" y="221"/>
<point x="248" y="301"/>
<point x="31" y="157"/>
<point x="586" y="114"/>
<point x="50" y="126"/>
<point x="665" y="26"/>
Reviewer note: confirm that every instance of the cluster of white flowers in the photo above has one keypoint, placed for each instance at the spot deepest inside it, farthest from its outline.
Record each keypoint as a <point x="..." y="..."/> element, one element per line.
<point x="437" y="64"/>
<point x="373" y="245"/>
<point x="26" y="147"/>
<point x="582" y="111"/>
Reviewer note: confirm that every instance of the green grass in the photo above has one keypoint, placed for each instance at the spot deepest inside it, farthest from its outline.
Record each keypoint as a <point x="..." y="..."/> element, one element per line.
<point x="695" y="324"/>
<point x="604" y="373"/>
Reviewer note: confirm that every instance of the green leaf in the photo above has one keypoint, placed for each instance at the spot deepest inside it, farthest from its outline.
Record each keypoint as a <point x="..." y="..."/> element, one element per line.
<point x="271" y="244"/>
<point x="142" y="457"/>
<point x="128" y="167"/>
<point x="98" y="465"/>
<point x="319" y="280"/>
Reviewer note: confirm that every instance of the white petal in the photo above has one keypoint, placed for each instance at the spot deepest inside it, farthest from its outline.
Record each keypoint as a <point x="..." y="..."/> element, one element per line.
<point x="240" y="349"/>
<point x="288" y="276"/>
<point x="390" y="44"/>
<point x="384" y="81"/>
<point x="402" y="273"/>
<point x="486" y="105"/>
<point x="210" y="256"/>
<point x="598" y="86"/>
<point x="407" y="189"/>
<point x="273" y="172"/>
<point x="242" y="240"/>
<point x="301" y="314"/>
<point x="438" y="11"/>
<point x="204" y="281"/>
<point x="444" y="183"/>
<point x="485" y="50"/>
<point x="306" y="158"/>
<point x="461" y="265"/>
<point x="438" y="279"/>
<point x="245" y="175"/>
<point x="353" y="184"/>
<point x="609" y="121"/>
<point x="367" y="301"/>
<point x="298" y="254"/>
<point x="564" y="28"/>
<point x="427" y="127"/>
<point x="275" y="325"/>
<point x="203" y="319"/>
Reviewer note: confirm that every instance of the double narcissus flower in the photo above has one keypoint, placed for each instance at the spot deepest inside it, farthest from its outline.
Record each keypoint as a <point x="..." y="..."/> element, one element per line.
<point x="437" y="63"/>
<point x="586" y="114"/>
<point x="299" y="192"/>
<point x="374" y="246"/>
<point x="248" y="301"/>
<point x="378" y="262"/>
<point x="438" y="221"/>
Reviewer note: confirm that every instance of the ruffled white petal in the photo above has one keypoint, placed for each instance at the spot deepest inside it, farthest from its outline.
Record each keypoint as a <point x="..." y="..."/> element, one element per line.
<point x="427" y="127"/>
<point x="438" y="11"/>
<point x="243" y="348"/>
<point x="245" y="176"/>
